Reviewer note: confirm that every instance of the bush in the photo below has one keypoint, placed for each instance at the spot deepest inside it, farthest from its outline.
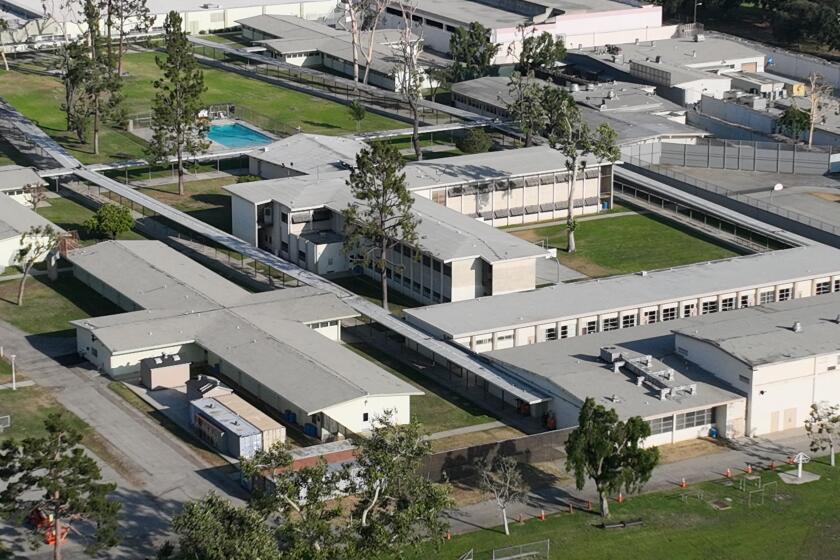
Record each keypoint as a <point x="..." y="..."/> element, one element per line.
<point x="475" y="141"/>
<point x="248" y="178"/>
<point x="110" y="220"/>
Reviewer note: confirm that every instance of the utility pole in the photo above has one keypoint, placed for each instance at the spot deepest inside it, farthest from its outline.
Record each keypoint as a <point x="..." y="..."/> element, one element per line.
<point x="14" y="379"/>
<point x="696" y="3"/>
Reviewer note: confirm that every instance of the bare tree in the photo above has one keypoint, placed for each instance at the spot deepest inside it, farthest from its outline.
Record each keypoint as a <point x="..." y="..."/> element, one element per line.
<point x="354" y="11"/>
<point x="823" y="426"/>
<point x="373" y="13"/>
<point x="4" y="28"/>
<point x="502" y="479"/>
<point x="407" y="72"/>
<point x="819" y="95"/>
<point x="34" y="195"/>
<point x="63" y="13"/>
<point x="128" y="16"/>
<point x="35" y="244"/>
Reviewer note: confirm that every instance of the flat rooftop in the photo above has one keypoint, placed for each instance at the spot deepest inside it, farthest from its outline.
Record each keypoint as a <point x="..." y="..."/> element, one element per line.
<point x="13" y="177"/>
<point x="263" y="335"/>
<point x="636" y="116"/>
<point x="766" y="335"/>
<point x="311" y="153"/>
<point x="16" y="219"/>
<point x="442" y="232"/>
<point x="572" y="369"/>
<point x="592" y="297"/>
<point x="164" y="6"/>
<point x="226" y="417"/>
<point x="688" y="52"/>
<point x="493" y="17"/>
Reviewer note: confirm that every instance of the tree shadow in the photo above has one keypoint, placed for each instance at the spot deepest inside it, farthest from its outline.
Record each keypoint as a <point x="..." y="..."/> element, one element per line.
<point x="322" y="125"/>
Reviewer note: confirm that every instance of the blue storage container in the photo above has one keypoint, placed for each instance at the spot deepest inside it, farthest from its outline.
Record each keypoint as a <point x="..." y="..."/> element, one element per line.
<point x="310" y="430"/>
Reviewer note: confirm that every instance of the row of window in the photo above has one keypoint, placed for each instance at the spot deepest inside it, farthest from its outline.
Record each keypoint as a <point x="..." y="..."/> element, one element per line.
<point x="323" y="324"/>
<point x="694" y="419"/>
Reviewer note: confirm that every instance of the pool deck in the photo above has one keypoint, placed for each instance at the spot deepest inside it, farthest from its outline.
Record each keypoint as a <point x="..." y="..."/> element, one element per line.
<point x="215" y="147"/>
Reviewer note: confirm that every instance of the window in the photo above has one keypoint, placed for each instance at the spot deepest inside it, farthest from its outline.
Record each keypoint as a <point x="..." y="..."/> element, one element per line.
<point x="284" y="246"/>
<point x="837" y="285"/>
<point x="551" y="333"/>
<point x="650" y="316"/>
<point x="745" y="301"/>
<point x="436" y="265"/>
<point x="661" y="425"/>
<point x="589" y="327"/>
<point x="302" y="256"/>
<point x="436" y="296"/>
<point x="406" y="250"/>
<point x="823" y="288"/>
<point x="784" y="294"/>
<point x="95" y="352"/>
<point x="766" y="297"/>
<point x="447" y="270"/>
<point x="688" y="310"/>
<point x="365" y="417"/>
<point x="610" y="324"/>
<point x="451" y="29"/>
<point x="564" y="331"/>
<point x="427" y="261"/>
<point x="709" y="307"/>
<point x="483" y="341"/>
<point x="284" y="217"/>
<point x="416" y="286"/>
<point x="744" y="379"/>
<point x="694" y="419"/>
<point x="504" y="338"/>
<point x="433" y="23"/>
<point x="321" y="215"/>
<point x="427" y="292"/>
<point x="628" y="321"/>
<point x="727" y="304"/>
<point x="669" y="314"/>
<point x="439" y="196"/>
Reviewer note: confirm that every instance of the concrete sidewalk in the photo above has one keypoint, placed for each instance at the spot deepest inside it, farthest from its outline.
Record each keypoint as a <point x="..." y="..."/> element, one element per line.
<point x="552" y="499"/>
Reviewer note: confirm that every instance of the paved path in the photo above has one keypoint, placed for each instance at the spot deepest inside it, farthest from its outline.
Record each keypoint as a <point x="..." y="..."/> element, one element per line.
<point x="162" y="473"/>
<point x="23" y="383"/>
<point x="758" y="451"/>
<point x="465" y="430"/>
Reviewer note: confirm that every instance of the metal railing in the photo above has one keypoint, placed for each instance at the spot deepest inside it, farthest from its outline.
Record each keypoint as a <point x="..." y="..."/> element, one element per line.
<point x="711" y="187"/>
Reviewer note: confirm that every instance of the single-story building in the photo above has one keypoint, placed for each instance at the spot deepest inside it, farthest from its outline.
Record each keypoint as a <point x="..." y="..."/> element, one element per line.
<point x="16" y="179"/>
<point x="281" y="347"/>
<point x="620" y="302"/>
<point x="15" y="220"/>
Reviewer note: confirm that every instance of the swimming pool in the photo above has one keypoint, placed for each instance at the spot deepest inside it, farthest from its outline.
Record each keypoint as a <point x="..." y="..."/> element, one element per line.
<point x="236" y="136"/>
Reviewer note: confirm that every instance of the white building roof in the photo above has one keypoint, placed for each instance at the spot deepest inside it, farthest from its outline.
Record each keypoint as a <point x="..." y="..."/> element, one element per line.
<point x="592" y="297"/>
<point x="712" y="51"/>
<point x="571" y="368"/>
<point x="767" y="336"/>
<point x="262" y="335"/>
<point x="16" y="219"/>
<point x="14" y="177"/>
<point x="311" y="153"/>
<point x="442" y="232"/>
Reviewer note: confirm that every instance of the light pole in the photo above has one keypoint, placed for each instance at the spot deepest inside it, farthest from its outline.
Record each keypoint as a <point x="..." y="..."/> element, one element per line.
<point x="696" y="3"/>
<point x="14" y="380"/>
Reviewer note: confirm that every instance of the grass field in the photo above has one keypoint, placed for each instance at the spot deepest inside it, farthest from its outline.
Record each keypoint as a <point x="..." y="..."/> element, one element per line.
<point x="802" y="524"/>
<point x="628" y="243"/>
<point x="204" y="200"/>
<point x="70" y="215"/>
<point x="39" y="97"/>
<point x="439" y="409"/>
<point x="372" y="291"/>
<point x="49" y="306"/>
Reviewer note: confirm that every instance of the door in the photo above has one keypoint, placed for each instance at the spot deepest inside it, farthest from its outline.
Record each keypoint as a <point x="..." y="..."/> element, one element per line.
<point x="774" y="421"/>
<point x="790" y="418"/>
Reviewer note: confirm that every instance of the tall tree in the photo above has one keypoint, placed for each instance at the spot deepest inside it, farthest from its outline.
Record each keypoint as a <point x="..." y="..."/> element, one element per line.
<point x="540" y="52"/>
<point x="381" y="217"/>
<point x="101" y="85"/>
<point x="502" y="479"/>
<point x="35" y="244"/>
<point x="214" y="529"/>
<point x="54" y="475"/>
<point x="110" y="220"/>
<point x="567" y="132"/>
<point x="526" y="104"/>
<point x="77" y="106"/>
<point x="397" y="507"/>
<point x="609" y="452"/>
<point x="127" y="16"/>
<point x="177" y="128"/>
<point x="472" y="52"/>
<point x="299" y="502"/>
<point x="372" y="11"/>
<point x="408" y="73"/>
<point x="820" y="97"/>
<point x="823" y="427"/>
<point x="4" y="29"/>
<point x="355" y="13"/>
<point x="793" y="122"/>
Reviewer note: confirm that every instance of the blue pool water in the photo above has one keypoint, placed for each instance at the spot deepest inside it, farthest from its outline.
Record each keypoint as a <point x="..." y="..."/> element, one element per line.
<point x="236" y="136"/>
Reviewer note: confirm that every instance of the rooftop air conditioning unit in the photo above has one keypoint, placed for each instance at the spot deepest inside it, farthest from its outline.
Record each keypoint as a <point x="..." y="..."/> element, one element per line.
<point x="699" y="38"/>
<point x="210" y="6"/>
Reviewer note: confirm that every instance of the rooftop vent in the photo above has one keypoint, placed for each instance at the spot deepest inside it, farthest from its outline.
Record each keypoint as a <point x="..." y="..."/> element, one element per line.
<point x="211" y="6"/>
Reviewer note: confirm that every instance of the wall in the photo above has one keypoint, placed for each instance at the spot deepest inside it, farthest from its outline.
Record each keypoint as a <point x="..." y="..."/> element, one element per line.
<point x="514" y="276"/>
<point x="243" y="219"/>
<point x="350" y="414"/>
<point x="747" y="156"/>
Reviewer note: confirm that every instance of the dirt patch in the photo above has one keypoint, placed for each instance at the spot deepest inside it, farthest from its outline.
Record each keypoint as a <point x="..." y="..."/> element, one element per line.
<point x="583" y="265"/>
<point x="530" y="235"/>
<point x="830" y="197"/>
<point x="690" y="449"/>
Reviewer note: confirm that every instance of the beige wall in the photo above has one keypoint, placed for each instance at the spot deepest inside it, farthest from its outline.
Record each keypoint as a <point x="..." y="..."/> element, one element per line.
<point x="514" y="276"/>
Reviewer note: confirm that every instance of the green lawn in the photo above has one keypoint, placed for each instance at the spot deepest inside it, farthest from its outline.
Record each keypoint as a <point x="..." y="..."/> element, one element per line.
<point x="628" y="243"/>
<point x="439" y="409"/>
<point x="204" y="200"/>
<point x="802" y="524"/>
<point x="39" y="98"/>
<point x="70" y="215"/>
<point x="49" y="306"/>
<point x="6" y="372"/>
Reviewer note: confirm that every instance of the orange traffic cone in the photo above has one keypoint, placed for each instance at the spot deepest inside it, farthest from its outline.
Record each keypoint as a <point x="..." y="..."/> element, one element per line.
<point x="620" y="498"/>
<point x="728" y="473"/>
<point x="542" y="515"/>
<point x="683" y="483"/>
